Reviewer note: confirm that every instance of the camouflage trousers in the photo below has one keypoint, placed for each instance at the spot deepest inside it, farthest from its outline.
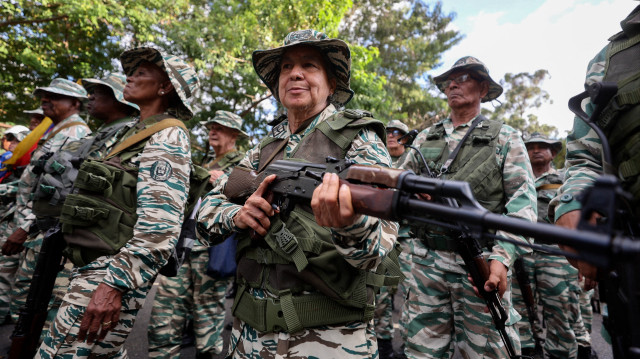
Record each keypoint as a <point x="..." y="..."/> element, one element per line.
<point x="557" y="287"/>
<point x="382" y="318"/>
<point x="352" y="340"/>
<point x="8" y="268"/>
<point x="585" y="307"/>
<point x="405" y="286"/>
<point x="443" y="311"/>
<point x="193" y="292"/>
<point x="27" y="265"/>
<point x="528" y="335"/>
<point x="61" y="342"/>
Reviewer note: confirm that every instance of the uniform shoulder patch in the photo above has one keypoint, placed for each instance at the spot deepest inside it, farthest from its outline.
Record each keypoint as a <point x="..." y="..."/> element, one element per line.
<point x="161" y="170"/>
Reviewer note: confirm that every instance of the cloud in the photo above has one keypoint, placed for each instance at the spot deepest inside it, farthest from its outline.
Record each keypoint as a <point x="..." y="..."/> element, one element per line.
<point x="559" y="36"/>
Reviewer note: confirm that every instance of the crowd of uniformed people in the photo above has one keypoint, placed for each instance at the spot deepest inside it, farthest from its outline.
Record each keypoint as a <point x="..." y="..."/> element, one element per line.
<point x="315" y="280"/>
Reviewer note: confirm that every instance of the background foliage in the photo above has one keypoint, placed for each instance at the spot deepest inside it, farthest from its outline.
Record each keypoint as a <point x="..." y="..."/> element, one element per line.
<point x="393" y="45"/>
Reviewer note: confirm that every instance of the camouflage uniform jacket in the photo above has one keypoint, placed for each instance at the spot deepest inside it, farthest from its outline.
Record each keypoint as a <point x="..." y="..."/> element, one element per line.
<point x="551" y="177"/>
<point x="362" y="244"/>
<point x="24" y="217"/>
<point x="103" y="150"/>
<point x="584" y="151"/>
<point x="519" y="190"/>
<point x="227" y="162"/>
<point x="161" y="202"/>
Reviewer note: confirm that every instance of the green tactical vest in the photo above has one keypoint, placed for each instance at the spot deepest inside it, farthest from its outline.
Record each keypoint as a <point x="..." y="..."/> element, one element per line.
<point x="620" y="120"/>
<point x="60" y="170"/>
<point x="223" y="163"/>
<point x="298" y="256"/>
<point x="98" y="218"/>
<point x="475" y="163"/>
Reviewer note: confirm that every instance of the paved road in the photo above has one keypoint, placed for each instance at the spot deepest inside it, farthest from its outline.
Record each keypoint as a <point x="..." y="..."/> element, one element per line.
<point x="137" y="342"/>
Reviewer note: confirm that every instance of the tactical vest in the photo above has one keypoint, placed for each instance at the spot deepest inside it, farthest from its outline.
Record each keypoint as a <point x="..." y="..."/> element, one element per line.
<point x="475" y="163"/>
<point x="223" y="163"/>
<point x="60" y="170"/>
<point x="620" y="119"/>
<point x="297" y="260"/>
<point x="546" y="192"/>
<point x="98" y="220"/>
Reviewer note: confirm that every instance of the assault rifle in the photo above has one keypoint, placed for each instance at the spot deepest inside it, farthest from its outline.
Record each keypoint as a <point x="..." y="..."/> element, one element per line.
<point x="392" y="194"/>
<point x="26" y="335"/>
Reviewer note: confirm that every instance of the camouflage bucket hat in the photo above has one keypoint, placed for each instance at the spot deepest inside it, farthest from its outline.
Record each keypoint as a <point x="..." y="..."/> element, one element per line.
<point x="182" y="75"/>
<point x="226" y="119"/>
<point x="116" y="82"/>
<point x="63" y="87"/>
<point x="266" y="63"/>
<point x="37" y="111"/>
<point x="398" y="125"/>
<point x="537" y="137"/>
<point x="476" y="66"/>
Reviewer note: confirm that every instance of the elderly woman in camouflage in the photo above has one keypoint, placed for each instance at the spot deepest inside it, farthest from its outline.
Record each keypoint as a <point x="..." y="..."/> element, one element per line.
<point x="310" y="299"/>
<point x="108" y="289"/>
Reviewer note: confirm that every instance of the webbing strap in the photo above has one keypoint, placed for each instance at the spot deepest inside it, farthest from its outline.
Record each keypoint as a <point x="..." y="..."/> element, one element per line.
<point x="311" y="310"/>
<point x="547" y="186"/>
<point x="66" y="125"/>
<point x="289" y="310"/>
<point x="147" y="132"/>
<point x="630" y="167"/>
<point x="289" y="244"/>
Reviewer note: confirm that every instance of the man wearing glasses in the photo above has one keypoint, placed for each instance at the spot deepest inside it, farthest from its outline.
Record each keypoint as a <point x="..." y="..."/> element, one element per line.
<point x="442" y="307"/>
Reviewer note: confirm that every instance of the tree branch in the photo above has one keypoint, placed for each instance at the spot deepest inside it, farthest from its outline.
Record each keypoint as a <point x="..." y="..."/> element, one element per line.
<point x="254" y="105"/>
<point x="32" y="21"/>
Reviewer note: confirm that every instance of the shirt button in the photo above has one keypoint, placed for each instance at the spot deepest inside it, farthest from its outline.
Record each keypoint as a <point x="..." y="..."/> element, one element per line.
<point x="566" y="198"/>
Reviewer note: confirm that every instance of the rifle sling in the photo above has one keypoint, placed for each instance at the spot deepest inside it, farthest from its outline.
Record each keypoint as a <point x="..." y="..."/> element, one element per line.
<point x="454" y="154"/>
<point x="147" y="132"/>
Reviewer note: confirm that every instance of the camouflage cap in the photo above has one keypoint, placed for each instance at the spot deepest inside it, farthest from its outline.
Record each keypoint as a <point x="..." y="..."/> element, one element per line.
<point x="18" y="131"/>
<point x="399" y="125"/>
<point x="116" y="82"/>
<point x="37" y="111"/>
<point x="537" y="137"/>
<point x="182" y="75"/>
<point x="472" y="64"/>
<point x="226" y="119"/>
<point x="266" y="63"/>
<point x="62" y="87"/>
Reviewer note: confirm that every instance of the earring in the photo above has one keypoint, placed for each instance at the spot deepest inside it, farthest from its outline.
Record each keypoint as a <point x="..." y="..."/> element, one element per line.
<point x="161" y="93"/>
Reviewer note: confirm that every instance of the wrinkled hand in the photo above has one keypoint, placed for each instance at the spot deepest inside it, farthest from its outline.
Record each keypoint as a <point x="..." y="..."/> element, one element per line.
<point x="14" y="243"/>
<point x="331" y="203"/>
<point x="256" y="210"/>
<point x="215" y="174"/>
<point x="590" y="272"/>
<point x="103" y="312"/>
<point x="497" y="279"/>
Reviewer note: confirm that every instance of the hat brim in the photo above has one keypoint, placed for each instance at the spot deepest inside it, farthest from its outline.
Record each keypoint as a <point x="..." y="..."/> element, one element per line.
<point x="89" y="84"/>
<point x="38" y="92"/>
<point x="555" y="145"/>
<point x="130" y="61"/>
<point x="495" y="90"/>
<point x="207" y="123"/>
<point x="266" y="63"/>
<point x="398" y="128"/>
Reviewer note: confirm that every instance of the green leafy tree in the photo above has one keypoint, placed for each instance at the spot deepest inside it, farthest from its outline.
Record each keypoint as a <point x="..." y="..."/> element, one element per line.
<point x="523" y="93"/>
<point x="40" y="40"/>
<point x="411" y="37"/>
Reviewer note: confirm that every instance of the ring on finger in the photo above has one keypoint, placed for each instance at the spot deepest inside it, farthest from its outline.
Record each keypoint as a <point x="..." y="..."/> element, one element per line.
<point x="106" y="324"/>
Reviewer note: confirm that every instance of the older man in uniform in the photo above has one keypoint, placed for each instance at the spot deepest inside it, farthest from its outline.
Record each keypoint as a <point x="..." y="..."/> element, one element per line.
<point x="192" y="292"/>
<point x="62" y="102"/>
<point x="443" y="308"/>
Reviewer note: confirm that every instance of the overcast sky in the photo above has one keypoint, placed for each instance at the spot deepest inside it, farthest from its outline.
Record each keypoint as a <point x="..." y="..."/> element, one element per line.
<point x="515" y="36"/>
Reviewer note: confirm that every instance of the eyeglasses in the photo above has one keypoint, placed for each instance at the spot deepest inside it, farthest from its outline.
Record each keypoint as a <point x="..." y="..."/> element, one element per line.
<point x="458" y="79"/>
<point x="393" y="132"/>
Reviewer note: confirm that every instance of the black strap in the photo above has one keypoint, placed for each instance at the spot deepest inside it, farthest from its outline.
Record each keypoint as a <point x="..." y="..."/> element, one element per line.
<point x="454" y="154"/>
